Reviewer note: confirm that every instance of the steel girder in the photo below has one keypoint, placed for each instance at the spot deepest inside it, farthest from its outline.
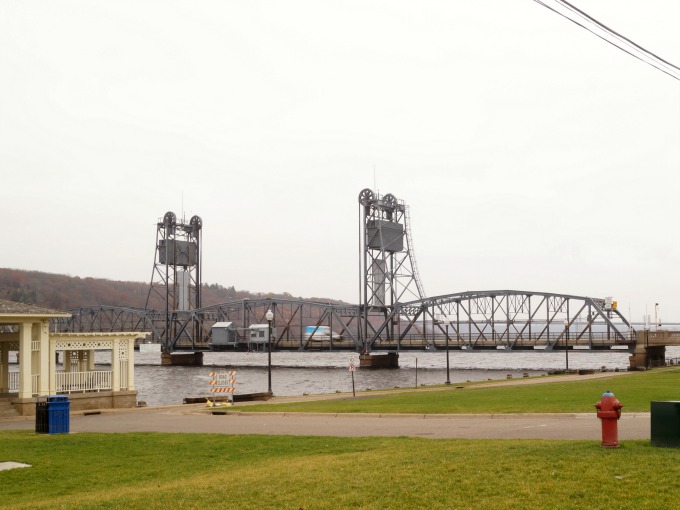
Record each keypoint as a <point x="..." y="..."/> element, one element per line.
<point x="113" y="318"/>
<point x="291" y="317"/>
<point x="504" y="319"/>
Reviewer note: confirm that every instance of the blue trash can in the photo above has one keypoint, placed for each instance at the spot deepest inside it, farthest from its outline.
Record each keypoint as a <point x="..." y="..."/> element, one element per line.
<point x="58" y="414"/>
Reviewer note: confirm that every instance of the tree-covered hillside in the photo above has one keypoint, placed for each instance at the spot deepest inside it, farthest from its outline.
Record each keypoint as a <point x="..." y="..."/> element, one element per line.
<point x="63" y="292"/>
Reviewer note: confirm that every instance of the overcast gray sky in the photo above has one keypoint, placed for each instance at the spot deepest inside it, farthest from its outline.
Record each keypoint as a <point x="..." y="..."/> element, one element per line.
<point x="533" y="155"/>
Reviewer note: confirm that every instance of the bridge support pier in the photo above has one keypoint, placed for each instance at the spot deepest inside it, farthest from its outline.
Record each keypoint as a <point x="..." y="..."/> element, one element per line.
<point x="194" y="359"/>
<point x="648" y="357"/>
<point x="389" y="360"/>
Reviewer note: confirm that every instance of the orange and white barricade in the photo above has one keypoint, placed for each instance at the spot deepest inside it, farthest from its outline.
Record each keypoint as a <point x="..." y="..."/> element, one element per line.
<point x="222" y="382"/>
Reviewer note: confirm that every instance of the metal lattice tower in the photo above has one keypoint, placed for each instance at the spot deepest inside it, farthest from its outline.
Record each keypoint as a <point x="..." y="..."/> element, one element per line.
<point x="389" y="273"/>
<point x="176" y="274"/>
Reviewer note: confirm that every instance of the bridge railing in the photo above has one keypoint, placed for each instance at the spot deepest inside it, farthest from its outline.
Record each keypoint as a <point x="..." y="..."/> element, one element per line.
<point x="499" y="339"/>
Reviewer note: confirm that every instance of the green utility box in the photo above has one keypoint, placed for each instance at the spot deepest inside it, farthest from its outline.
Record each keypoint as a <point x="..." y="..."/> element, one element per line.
<point x="666" y="424"/>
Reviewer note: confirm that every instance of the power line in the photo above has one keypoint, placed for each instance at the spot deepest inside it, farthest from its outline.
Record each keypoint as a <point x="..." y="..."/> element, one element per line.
<point x="670" y="68"/>
<point x="633" y="49"/>
<point x="615" y="33"/>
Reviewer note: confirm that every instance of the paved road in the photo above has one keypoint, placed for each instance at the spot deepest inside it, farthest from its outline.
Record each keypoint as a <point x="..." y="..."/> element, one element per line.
<point x="197" y="419"/>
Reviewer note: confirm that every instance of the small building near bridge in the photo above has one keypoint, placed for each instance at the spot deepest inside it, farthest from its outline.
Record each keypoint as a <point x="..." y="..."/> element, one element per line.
<point x="24" y="331"/>
<point x="224" y="335"/>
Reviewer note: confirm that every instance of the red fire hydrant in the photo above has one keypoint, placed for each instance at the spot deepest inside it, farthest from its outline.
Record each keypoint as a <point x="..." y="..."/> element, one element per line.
<point x="609" y="411"/>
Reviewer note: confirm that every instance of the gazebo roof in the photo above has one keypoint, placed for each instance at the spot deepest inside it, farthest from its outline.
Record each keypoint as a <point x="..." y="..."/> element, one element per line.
<point x="13" y="309"/>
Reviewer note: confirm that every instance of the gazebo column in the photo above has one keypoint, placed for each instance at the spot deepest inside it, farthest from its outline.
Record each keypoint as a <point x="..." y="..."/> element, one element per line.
<point x="43" y="336"/>
<point x="131" y="364"/>
<point x="4" y="367"/>
<point x="115" y="365"/>
<point x="25" y="359"/>
<point x="81" y="362"/>
<point x="67" y="361"/>
<point x="52" y="378"/>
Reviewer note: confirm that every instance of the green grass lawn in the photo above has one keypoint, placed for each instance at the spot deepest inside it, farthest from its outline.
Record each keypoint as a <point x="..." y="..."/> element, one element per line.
<point x="220" y="471"/>
<point x="635" y="391"/>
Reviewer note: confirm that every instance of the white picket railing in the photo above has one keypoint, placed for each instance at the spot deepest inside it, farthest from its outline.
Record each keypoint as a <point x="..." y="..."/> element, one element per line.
<point x="68" y="382"/>
<point x="13" y="381"/>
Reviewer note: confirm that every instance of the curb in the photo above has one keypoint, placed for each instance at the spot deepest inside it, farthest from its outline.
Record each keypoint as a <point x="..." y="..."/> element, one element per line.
<point x="508" y="416"/>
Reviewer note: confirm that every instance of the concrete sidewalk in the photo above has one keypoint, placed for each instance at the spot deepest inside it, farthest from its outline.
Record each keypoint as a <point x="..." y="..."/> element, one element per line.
<point x="198" y="419"/>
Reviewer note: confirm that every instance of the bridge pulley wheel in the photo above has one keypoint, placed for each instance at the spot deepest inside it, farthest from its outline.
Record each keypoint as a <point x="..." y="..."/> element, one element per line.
<point x="390" y="201"/>
<point x="196" y="222"/>
<point x="170" y="218"/>
<point x="366" y="196"/>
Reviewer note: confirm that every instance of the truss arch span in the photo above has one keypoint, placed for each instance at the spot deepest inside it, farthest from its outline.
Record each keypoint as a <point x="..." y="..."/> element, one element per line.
<point x="505" y="319"/>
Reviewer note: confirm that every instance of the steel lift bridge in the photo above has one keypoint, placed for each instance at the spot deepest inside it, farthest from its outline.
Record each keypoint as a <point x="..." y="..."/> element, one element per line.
<point x="394" y="313"/>
<point x="393" y="297"/>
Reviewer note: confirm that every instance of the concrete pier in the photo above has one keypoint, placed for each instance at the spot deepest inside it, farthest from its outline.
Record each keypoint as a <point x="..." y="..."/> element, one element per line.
<point x="650" y="349"/>
<point x="194" y="359"/>
<point x="389" y="360"/>
<point x="648" y="357"/>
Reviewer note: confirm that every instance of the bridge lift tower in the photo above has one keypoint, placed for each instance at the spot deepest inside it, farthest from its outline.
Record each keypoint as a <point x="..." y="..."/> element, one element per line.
<point x="176" y="278"/>
<point x="389" y="273"/>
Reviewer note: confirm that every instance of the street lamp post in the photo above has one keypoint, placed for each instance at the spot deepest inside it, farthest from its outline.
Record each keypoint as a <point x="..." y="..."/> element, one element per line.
<point x="270" y="317"/>
<point x="566" y="342"/>
<point x="646" y="345"/>
<point x="448" y="379"/>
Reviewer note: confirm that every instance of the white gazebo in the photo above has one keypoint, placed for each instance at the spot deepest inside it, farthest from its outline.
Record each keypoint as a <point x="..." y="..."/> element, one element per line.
<point x="24" y="329"/>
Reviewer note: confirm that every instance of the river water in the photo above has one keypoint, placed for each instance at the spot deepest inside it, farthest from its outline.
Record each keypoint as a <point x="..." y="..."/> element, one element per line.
<point x="297" y="373"/>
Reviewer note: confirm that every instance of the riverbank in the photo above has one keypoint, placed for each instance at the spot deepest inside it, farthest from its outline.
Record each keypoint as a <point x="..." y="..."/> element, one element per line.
<point x="474" y="401"/>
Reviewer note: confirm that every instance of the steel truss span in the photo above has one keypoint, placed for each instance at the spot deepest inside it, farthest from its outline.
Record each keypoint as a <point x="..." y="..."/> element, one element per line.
<point x="292" y="322"/>
<point x="505" y="319"/>
<point x="510" y="320"/>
